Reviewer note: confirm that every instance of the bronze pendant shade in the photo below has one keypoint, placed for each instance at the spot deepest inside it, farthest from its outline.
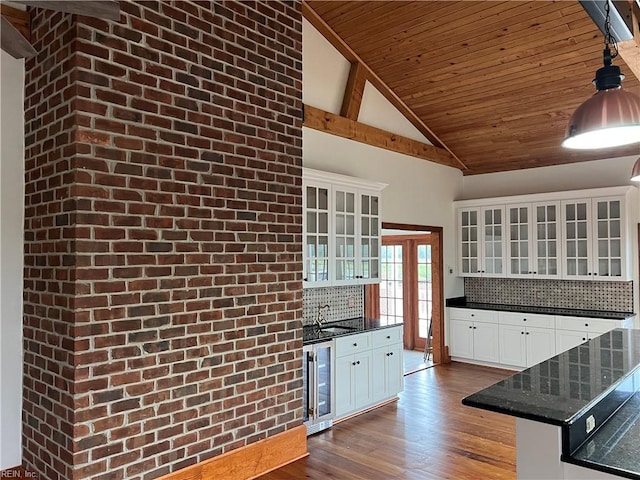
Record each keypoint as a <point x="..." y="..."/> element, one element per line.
<point x="610" y="118"/>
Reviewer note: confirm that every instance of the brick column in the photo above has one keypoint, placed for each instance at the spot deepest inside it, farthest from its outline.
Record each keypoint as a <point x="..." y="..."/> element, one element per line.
<point x="163" y="260"/>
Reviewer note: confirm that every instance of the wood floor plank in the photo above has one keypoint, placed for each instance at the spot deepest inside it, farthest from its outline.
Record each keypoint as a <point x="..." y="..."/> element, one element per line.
<point x="427" y="435"/>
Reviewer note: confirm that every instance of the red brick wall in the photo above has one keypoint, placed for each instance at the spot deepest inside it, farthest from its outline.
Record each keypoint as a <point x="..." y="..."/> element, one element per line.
<point x="163" y="263"/>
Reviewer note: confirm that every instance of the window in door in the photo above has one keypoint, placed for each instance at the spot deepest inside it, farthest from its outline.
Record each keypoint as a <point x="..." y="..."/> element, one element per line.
<point x="391" y="285"/>
<point x="425" y="291"/>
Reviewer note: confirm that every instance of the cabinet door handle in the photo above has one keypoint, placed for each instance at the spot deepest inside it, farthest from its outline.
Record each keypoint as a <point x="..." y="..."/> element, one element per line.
<point x="391" y="353"/>
<point x="473" y="314"/>
<point x="527" y="333"/>
<point x="355" y="344"/>
<point x="524" y="319"/>
<point x="584" y="339"/>
<point x="474" y="328"/>
<point x="305" y="279"/>
<point x="388" y="337"/>
<point x="521" y="333"/>
<point x="586" y="324"/>
<point x="358" y="362"/>
<point x="353" y="363"/>
<point x="470" y="326"/>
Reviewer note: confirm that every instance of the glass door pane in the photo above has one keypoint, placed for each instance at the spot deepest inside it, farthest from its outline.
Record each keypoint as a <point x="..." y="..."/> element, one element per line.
<point x="425" y="291"/>
<point x="391" y="295"/>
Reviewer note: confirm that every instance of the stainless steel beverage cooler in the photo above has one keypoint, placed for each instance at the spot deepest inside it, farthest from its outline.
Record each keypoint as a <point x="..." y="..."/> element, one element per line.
<point x="318" y="382"/>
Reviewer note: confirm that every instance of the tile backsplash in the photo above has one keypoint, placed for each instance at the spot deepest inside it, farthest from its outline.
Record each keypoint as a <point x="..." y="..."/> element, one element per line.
<point x="338" y="299"/>
<point x="588" y="295"/>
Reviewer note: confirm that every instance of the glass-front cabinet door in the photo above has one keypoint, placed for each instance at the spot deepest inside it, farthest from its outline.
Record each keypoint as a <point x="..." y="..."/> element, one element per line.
<point x="546" y="246"/>
<point x="609" y="235"/>
<point x="576" y="215"/>
<point x="345" y="234"/>
<point x="369" y="237"/>
<point x="469" y="243"/>
<point x="518" y="245"/>
<point x="316" y="220"/>
<point x="493" y="241"/>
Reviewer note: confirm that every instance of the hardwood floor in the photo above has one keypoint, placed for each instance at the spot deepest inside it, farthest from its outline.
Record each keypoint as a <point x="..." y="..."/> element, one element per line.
<point x="427" y="434"/>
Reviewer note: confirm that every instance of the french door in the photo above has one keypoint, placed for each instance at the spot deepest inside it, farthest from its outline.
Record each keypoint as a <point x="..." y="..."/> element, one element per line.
<point x="410" y="289"/>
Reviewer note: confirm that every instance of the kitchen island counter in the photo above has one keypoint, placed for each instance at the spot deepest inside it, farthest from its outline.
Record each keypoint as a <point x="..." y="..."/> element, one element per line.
<point x="571" y="403"/>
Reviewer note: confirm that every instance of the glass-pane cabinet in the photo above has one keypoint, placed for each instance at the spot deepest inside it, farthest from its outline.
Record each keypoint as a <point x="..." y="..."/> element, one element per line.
<point x="493" y="240"/>
<point x="609" y="234"/>
<point x="576" y="235"/>
<point x="577" y="238"/>
<point x="481" y="241"/>
<point x="342" y="229"/>
<point x="369" y="236"/>
<point x="546" y="248"/>
<point x="345" y="234"/>
<point x="519" y="234"/>
<point x="469" y="255"/>
<point x="316" y="220"/>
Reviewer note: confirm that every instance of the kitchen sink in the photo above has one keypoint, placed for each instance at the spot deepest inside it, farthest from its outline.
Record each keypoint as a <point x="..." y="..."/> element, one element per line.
<point x="336" y="329"/>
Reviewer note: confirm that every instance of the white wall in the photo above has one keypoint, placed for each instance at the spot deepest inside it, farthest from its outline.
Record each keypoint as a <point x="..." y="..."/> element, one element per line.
<point x="11" y="258"/>
<point x="575" y="176"/>
<point x="419" y="192"/>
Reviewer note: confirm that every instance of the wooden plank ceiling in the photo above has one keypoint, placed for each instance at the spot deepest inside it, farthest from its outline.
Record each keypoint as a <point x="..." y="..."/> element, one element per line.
<point x="495" y="81"/>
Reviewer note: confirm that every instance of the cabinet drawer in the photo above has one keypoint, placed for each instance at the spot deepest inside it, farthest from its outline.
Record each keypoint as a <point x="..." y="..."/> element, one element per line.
<point x="351" y="344"/>
<point x="527" y="319"/>
<point x="488" y="316"/>
<point x="386" y="336"/>
<point x="587" y="324"/>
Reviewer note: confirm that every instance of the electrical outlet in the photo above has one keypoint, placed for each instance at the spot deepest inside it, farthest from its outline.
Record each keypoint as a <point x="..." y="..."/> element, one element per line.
<point x="591" y="423"/>
<point x="351" y="302"/>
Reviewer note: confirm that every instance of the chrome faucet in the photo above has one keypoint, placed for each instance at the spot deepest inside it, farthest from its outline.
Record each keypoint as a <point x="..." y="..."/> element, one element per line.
<point x="320" y="318"/>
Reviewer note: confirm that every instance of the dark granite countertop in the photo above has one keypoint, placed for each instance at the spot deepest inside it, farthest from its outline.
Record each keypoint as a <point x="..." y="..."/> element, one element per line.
<point x="314" y="334"/>
<point x="614" y="447"/>
<point x="460" y="302"/>
<point x="557" y="390"/>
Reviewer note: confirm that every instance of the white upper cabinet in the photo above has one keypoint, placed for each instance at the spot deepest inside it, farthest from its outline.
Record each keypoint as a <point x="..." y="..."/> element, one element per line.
<point x="316" y="199"/>
<point x="482" y="241"/>
<point x="370" y="223"/>
<point x="546" y="238"/>
<point x="533" y="246"/>
<point x="341" y="225"/>
<point x="594" y="241"/>
<point x="565" y="235"/>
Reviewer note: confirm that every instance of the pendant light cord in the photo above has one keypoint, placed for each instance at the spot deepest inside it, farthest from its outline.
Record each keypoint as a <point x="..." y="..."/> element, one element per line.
<point x="609" y="39"/>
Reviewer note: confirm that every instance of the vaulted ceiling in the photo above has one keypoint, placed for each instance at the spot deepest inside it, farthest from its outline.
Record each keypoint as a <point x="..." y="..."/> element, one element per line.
<point x="495" y="82"/>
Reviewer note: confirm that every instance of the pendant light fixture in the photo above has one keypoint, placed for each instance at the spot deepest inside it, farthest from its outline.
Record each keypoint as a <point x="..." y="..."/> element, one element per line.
<point x="611" y="117"/>
<point x="635" y="172"/>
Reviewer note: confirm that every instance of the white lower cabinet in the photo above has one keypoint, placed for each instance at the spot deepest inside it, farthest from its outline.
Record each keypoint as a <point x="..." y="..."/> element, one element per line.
<point x="474" y="335"/>
<point x="353" y="382"/>
<point x="526" y="339"/>
<point x="368" y="369"/>
<point x="387" y="372"/>
<point x="519" y="340"/>
<point x="573" y="331"/>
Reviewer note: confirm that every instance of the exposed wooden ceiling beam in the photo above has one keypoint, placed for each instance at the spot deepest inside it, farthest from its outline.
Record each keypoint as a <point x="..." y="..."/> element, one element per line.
<point x="353" y="92"/>
<point x="107" y="9"/>
<point x="630" y="49"/>
<point x="13" y="42"/>
<point x="18" y="18"/>
<point x="344" y="127"/>
<point x="327" y="32"/>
